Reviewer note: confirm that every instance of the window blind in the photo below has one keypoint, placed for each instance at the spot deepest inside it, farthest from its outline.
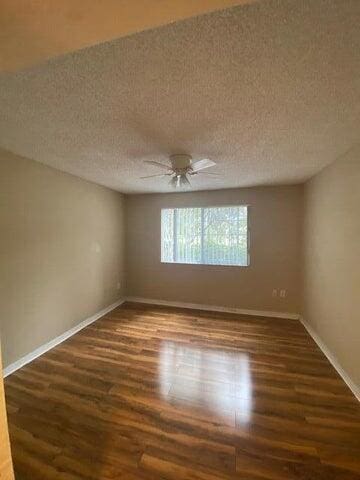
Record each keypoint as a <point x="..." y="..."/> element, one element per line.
<point x="210" y="236"/>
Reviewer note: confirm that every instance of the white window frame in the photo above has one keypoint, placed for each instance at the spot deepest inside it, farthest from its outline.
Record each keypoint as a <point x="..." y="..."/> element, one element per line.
<point x="202" y="210"/>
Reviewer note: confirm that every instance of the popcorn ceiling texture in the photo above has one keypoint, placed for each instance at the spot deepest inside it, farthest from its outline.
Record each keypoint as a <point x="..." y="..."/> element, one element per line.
<point x="270" y="91"/>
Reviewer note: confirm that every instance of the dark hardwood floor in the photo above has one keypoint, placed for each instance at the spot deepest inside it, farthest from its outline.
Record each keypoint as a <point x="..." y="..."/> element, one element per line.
<point x="151" y="393"/>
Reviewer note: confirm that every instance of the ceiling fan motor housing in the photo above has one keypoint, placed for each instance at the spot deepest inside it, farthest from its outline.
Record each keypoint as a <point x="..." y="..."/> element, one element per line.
<point x="181" y="162"/>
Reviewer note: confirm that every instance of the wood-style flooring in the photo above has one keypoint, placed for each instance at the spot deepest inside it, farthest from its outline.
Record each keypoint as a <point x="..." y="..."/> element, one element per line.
<point x="151" y="393"/>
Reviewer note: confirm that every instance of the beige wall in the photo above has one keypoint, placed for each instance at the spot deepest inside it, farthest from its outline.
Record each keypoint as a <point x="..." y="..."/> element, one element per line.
<point x="332" y="260"/>
<point x="276" y="221"/>
<point x="61" y="253"/>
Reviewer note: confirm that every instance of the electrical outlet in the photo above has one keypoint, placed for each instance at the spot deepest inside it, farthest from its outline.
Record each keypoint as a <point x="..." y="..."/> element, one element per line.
<point x="118" y="285"/>
<point x="283" y="293"/>
<point x="274" y="292"/>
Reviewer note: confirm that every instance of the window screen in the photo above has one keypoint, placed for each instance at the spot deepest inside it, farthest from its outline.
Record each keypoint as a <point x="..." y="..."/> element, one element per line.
<point x="210" y="236"/>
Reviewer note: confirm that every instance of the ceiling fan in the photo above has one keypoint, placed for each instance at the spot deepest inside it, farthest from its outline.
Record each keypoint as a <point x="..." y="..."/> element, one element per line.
<point x="181" y="168"/>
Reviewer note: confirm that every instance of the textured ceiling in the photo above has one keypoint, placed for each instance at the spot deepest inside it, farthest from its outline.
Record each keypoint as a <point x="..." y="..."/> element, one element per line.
<point x="270" y="91"/>
<point x="32" y="31"/>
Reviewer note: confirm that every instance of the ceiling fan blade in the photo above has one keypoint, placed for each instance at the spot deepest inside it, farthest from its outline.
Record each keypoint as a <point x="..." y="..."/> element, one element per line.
<point x="201" y="164"/>
<point x="158" y="175"/>
<point x="158" y="164"/>
<point x="212" y="174"/>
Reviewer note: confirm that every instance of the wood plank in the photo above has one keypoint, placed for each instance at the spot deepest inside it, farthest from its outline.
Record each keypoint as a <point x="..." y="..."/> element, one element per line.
<point x="6" y="467"/>
<point x="151" y="392"/>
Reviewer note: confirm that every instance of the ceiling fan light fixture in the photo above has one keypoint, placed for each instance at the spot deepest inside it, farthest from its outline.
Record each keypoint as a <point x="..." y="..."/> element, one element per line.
<point x="184" y="181"/>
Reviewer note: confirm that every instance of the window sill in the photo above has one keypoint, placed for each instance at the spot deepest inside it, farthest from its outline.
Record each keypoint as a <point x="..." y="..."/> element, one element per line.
<point x="206" y="264"/>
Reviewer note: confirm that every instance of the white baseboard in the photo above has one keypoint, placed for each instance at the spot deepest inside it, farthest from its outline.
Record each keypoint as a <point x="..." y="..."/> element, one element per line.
<point x="49" y="345"/>
<point x="214" y="308"/>
<point x="334" y="362"/>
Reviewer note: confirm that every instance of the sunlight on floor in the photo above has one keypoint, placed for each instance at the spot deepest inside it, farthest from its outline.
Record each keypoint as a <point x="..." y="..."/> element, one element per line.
<point x="218" y="381"/>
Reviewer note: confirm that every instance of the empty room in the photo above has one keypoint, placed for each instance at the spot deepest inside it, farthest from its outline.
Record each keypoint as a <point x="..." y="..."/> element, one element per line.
<point x="180" y="240"/>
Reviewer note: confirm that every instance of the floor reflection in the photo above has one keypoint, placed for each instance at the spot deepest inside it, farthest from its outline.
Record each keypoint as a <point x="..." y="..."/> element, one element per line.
<point x="218" y="381"/>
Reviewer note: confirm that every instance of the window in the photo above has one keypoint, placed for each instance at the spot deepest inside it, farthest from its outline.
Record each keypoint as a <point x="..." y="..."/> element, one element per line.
<point x="210" y="236"/>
